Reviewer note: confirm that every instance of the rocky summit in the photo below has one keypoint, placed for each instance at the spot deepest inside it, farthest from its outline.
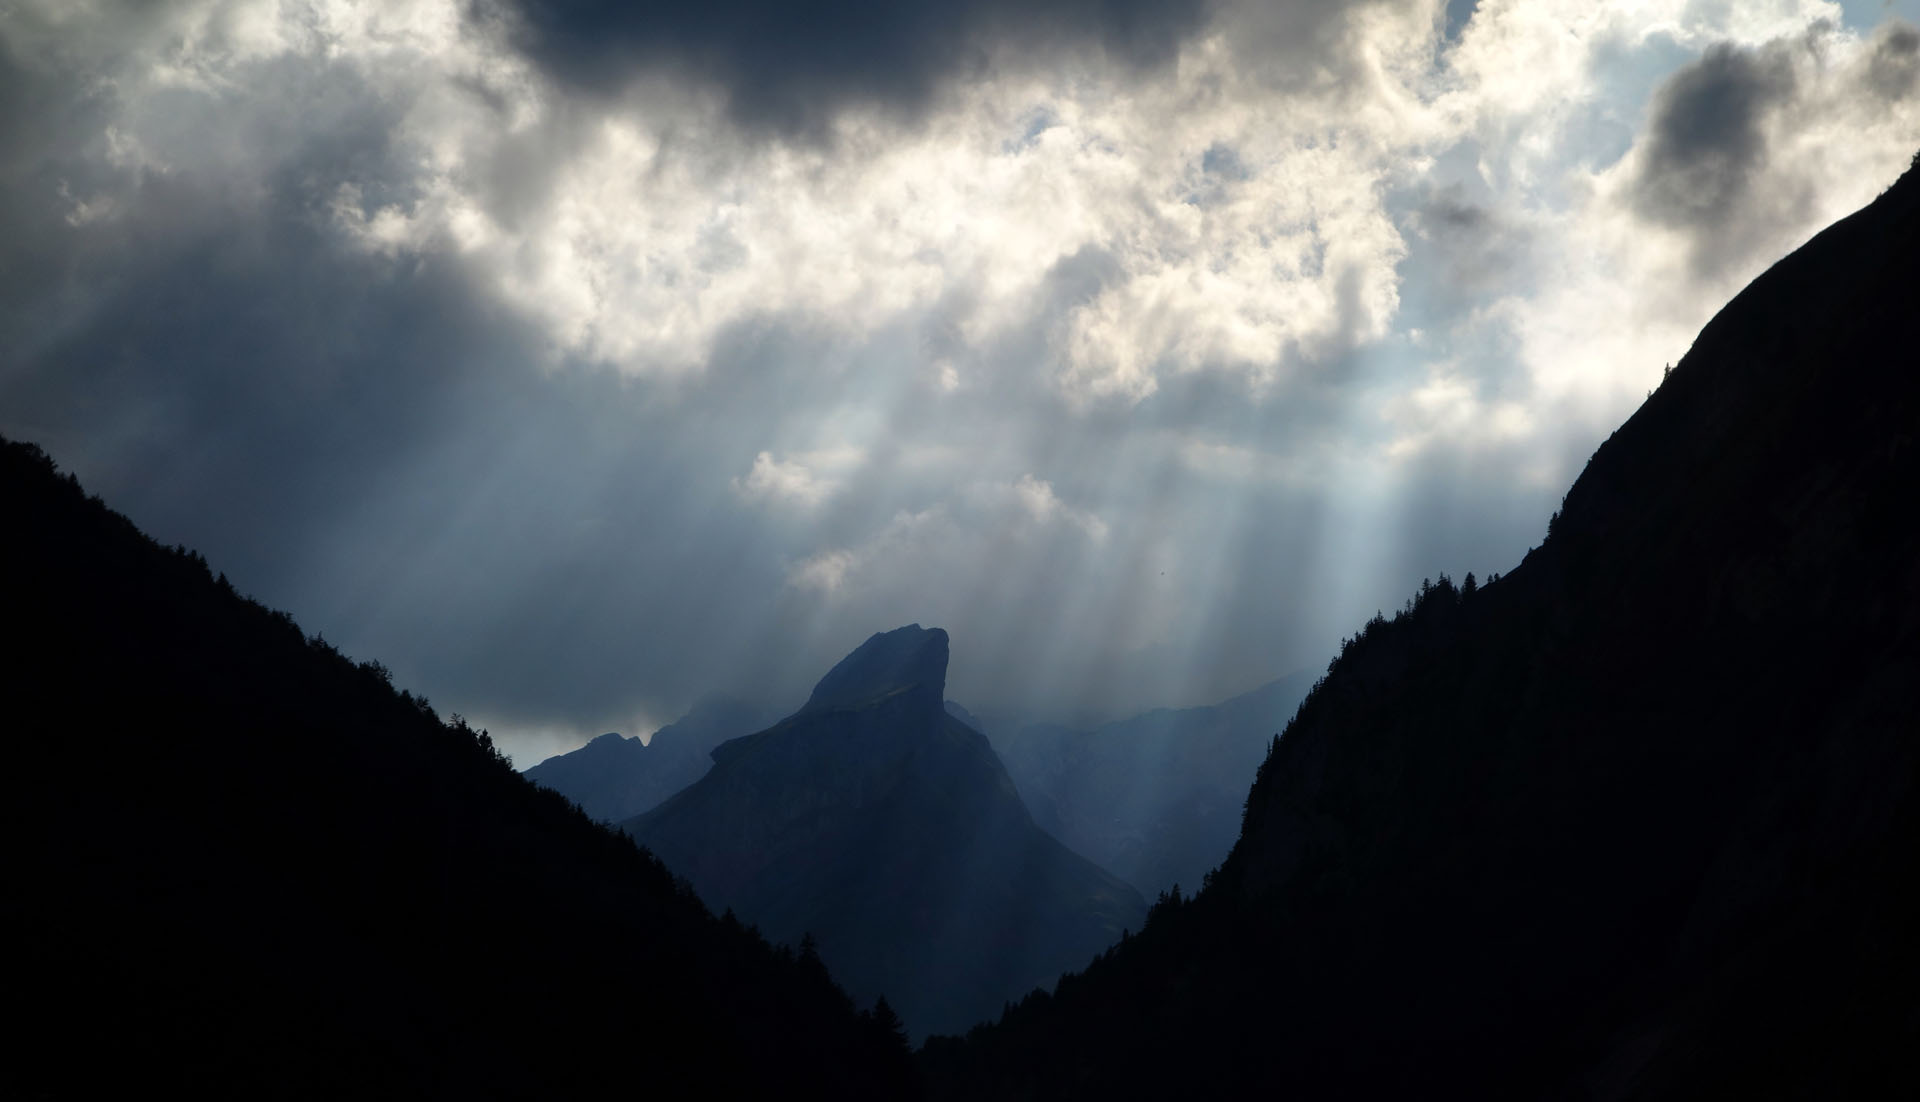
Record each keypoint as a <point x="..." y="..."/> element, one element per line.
<point x="889" y="832"/>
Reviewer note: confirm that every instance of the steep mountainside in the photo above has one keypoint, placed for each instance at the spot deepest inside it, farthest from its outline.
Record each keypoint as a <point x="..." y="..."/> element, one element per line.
<point x="890" y="832"/>
<point x="1638" y="820"/>
<point x="615" y="777"/>
<point x="1155" y="799"/>
<point x="241" y="865"/>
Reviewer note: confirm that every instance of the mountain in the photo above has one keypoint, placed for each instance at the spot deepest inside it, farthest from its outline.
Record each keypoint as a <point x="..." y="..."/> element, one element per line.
<point x="890" y="832"/>
<point x="615" y="777"/>
<point x="1638" y="820"/>
<point x="241" y="865"/>
<point x="1155" y="799"/>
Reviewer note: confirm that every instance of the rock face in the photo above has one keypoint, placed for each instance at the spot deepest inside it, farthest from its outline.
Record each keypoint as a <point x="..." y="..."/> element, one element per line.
<point x="905" y="660"/>
<point x="615" y="777"/>
<point x="1638" y="820"/>
<point x="889" y="831"/>
<point x="1155" y="799"/>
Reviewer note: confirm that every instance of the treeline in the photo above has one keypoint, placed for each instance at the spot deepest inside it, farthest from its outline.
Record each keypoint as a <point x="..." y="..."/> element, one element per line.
<point x="247" y="865"/>
<point x="1636" y="820"/>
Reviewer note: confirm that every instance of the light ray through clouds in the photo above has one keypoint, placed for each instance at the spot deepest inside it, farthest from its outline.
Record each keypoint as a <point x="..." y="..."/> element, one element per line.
<point x="577" y="375"/>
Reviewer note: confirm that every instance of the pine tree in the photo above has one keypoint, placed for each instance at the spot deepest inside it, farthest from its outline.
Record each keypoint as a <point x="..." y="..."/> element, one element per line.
<point x="887" y="1026"/>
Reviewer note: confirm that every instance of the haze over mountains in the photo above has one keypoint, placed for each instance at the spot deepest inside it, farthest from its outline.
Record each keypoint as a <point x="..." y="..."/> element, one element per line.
<point x="1155" y="799"/>
<point x="616" y="777"/>
<point x="888" y="831"/>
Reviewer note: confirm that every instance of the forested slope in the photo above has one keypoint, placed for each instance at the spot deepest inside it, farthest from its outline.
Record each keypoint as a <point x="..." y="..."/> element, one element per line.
<point x="1637" y="820"/>
<point x="243" y="865"/>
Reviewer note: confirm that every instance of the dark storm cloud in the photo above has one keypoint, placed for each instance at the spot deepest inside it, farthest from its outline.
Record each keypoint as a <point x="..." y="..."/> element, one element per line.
<point x="1893" y="69"/>
<point x="1708" y="142"/>
<point x="788" y="66"/>
<point x="1708" y="165"/>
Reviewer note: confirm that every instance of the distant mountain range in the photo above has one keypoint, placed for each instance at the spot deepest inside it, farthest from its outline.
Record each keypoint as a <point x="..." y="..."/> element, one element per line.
<point x="616" y="777"/>
<point x="889" y="832"/>
<point x="1156" y="799"/>
<point x="240" y="865"/>
<point x="1638" y="820"/>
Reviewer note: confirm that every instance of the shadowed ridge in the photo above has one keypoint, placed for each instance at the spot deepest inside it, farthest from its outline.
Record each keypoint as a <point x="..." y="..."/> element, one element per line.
<point x="1799" y="386"/>
<point x="905" y="659"/>
<point x="904" y="669"/>
<point x="1637" y="820"/>
<point x="247" y="866"/>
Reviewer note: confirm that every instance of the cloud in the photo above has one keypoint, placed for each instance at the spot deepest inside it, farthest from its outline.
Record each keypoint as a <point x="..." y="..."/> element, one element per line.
<point x="789" y="69"/>
<point x="1165" y="202"/>
<point x="577" y="368"/>
<point x="1449" y="410"/>
<point x="1708" y="136"/>
<point x="971" y="529"/>
<point x="826" y="571"/>
<point x="801" y="481"/>
<point x="791" y="72"/>
<point x="1042" y="506"/>
<point x="1893" y="68"/>
<point x="1469" y="254"/>
<point x="1728" y="147"/>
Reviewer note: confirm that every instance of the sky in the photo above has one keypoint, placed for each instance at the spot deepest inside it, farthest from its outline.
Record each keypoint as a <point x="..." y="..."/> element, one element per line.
<point x="578" y="360"/>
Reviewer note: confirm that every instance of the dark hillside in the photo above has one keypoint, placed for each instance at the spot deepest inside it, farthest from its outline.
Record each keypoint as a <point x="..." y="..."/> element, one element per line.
<point x="1637" y="820"/>
<point x="243" y="865"/>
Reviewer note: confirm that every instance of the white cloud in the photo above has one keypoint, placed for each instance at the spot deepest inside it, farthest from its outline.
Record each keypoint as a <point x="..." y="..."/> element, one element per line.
<point x="805" y="480"/>
<point x="1625" y="295"/>
<point x="826" y="572"/>
<point x="1448" y="411"/>
<point x="1043" y="506"/>
<point x="984" y="525"/>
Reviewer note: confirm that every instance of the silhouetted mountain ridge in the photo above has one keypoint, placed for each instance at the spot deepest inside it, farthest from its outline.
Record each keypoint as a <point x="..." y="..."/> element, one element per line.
<point x="1638" y="820"/>
<point x="246" y="866"/>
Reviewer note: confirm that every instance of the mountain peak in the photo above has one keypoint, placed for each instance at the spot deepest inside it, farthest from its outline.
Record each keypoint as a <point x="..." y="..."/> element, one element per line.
<point x="890" y="832"/>
<point x="887" y="663"/>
